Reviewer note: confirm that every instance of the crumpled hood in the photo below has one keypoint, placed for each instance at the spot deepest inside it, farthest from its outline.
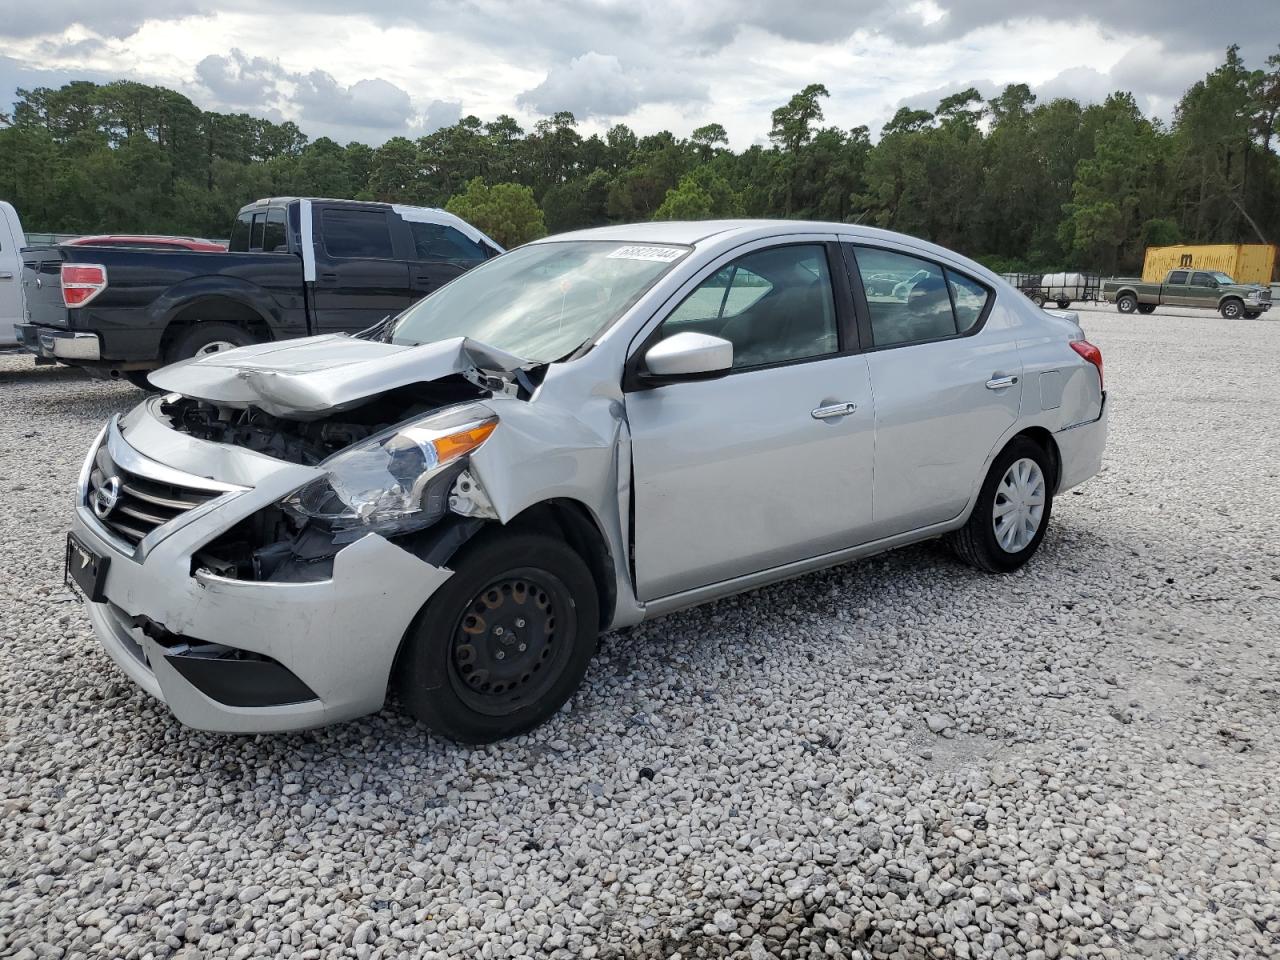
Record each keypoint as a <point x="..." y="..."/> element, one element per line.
<point x="316" y="376"/>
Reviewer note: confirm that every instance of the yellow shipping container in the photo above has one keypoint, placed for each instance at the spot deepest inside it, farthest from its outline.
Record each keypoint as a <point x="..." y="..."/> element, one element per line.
<point x="1245" y="262"/>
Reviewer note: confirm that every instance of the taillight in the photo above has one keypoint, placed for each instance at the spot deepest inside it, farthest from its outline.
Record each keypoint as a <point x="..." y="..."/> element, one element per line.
<point x="1090" y="353"/>
<point x="81" y="282"/>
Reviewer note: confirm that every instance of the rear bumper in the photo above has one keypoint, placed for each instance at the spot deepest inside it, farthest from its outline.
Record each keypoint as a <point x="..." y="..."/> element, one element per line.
<point x="51" y="344"/>
<point x="313" y="653"/>
<point x="1080" y="449"/>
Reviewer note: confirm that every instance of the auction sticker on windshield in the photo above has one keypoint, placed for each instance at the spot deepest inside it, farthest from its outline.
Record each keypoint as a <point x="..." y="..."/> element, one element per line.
<point x="660" y="254"/>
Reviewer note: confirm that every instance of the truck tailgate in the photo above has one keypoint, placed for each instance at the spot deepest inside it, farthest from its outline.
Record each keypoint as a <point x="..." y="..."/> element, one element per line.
<point x="42" y="285"/>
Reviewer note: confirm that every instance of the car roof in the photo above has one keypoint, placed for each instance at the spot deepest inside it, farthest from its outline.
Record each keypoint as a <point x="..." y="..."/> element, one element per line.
<point x="724" y="233"/>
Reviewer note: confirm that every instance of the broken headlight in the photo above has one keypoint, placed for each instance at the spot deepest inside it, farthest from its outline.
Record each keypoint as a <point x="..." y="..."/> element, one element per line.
<point x="397" y="480"/>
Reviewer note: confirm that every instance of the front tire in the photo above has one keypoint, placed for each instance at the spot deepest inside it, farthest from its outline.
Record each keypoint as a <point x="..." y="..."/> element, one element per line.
<point x="1063" y="304"/>
<point x="504" y="642"/>
<point x="1252" y="314"/>
<point x="1231" y="309"/>
<point x="1011" y="514"/>
<point x="1126" y="303"/>
<point x="1146" y="309"/>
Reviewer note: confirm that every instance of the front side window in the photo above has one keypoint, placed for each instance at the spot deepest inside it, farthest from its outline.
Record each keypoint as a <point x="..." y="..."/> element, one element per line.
<point x="436" y="241"/>
<point x="357" y="234"/>
<point x="913" y="301"/>
<point x="773" y="305"/>
<point x="541" y="301"/>
<point x="1203" y="280"/>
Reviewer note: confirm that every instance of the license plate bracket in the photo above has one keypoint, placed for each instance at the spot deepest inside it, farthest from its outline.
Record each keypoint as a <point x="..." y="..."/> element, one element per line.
<point x="85" y="570"/>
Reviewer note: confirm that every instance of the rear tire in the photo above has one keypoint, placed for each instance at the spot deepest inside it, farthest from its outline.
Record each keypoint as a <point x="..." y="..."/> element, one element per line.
<point x="139" y="379"/>
<point x="1146" y="308"/>
<point x="1252" y="314"/>
<point x="1039" y="300"/>
<point x="506" y="640"/>
<point x="1007" y="498"/>
<point x="209" y="336"/>
<point x="1231" y="309"/>
<point x="1126" y="303"/>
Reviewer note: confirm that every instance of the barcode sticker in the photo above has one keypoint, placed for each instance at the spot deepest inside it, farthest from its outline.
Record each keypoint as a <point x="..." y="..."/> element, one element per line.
<point x="637" y="252"/>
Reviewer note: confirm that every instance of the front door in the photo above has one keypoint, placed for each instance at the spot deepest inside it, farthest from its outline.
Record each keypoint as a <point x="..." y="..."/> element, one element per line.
<point x="1202" y="291"/>
<point x="359" y="279"/>
<point x="771" y="463"/>
<point x="947" y="384"/>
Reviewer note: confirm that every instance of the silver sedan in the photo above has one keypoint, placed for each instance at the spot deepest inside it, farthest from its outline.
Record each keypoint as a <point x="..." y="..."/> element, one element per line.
<point x="591" y="430"/>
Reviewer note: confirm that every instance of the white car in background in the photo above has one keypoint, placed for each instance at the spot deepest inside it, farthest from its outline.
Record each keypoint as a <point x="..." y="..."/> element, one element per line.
<point x="12" y="240"/>
<point x="585" y="432"/>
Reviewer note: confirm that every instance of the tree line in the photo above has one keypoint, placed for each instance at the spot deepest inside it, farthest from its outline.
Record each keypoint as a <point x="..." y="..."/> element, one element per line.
<point x="1016" y="183"/>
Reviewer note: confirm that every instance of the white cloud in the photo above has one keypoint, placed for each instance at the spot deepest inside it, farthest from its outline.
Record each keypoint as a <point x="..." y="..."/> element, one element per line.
<point x="596" y="85"/>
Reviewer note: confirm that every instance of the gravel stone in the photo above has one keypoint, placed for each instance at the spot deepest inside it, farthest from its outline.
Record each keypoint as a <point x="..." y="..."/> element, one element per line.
<point x="895" y="759"/>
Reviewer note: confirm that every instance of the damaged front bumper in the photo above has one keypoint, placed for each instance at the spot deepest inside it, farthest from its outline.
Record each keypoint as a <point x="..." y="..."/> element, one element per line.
<point x="243" y="655"/>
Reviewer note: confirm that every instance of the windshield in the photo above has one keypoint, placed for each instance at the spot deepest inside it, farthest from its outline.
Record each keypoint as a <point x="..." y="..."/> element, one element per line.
<point x="540" y="302"/>
<point x="1221" y="277"/>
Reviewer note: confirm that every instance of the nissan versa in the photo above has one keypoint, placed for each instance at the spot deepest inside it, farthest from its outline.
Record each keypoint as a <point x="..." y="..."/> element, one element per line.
<point x="583" y="433"/>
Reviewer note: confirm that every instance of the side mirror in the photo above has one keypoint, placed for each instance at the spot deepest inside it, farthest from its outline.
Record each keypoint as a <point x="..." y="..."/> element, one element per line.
<point x="688" y="355"/>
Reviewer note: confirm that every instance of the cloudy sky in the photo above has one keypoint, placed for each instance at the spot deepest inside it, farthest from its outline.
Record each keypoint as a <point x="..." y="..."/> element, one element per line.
<point x="409" y="66"/>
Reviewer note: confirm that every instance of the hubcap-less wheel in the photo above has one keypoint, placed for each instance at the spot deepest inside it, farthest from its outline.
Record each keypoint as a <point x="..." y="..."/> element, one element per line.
<point x="507" y="651"/>
<point x="217" y="346"/>
<point x="1019" y="505"/>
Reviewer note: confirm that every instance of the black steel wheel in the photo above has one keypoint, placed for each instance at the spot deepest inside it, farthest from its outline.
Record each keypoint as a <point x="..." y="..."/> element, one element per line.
<point x="505" y="653"/>
<point x="504" y="642"/>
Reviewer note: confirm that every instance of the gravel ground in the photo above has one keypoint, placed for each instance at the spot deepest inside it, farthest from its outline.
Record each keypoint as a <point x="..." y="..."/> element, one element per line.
<point x="899" y="758"/>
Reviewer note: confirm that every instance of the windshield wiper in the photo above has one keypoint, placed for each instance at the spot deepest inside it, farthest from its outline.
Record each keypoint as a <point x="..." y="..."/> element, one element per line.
<point x="380" y="331"/>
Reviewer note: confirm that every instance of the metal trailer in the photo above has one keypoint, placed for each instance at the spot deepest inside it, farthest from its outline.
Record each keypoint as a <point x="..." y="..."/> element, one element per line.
<point x="1058" y="289"/>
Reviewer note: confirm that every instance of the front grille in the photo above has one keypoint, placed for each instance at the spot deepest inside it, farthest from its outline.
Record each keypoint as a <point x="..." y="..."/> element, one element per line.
<point x="1265" y="294"/>
<point x="140" y="503"/>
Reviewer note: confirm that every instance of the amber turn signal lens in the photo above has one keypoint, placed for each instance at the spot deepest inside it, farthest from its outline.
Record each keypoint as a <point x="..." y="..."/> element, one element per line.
<point x="456" y="444"/>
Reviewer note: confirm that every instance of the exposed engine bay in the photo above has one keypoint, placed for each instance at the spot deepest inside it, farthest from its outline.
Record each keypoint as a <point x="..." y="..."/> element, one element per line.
<point x="313" y="441"/>
<point x="277" y="545"/>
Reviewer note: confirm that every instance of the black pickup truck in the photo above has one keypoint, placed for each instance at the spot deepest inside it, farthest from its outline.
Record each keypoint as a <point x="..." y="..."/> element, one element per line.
<point x="294" y="267"/>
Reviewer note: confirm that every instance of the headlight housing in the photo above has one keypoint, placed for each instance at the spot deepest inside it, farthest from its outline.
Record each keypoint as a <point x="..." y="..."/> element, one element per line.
<point x="397" y="480"/>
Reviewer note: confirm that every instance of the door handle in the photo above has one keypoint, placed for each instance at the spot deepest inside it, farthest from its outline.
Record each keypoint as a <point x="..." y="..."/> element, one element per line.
<point x="329" y="276"/>
<point x="999" y="383"/>
<point x="833" y="410"/>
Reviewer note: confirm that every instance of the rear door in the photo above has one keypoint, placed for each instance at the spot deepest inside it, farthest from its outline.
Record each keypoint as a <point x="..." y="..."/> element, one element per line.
<point x="947" y="384"/>
<point x="1174" y="290"/>
<point x="359" y="277"/>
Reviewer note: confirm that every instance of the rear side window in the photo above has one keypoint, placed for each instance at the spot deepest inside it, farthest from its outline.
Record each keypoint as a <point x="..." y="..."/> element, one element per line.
<point x="357" y="233"/>
<point x="255" y="237"/>
<point x="437" y="241"/>
<point x="914" y="301"/>
<point x="970" y="299"/>
<point x="774" y="306"/>
<point x="273" y="239"/>
<point x="240" y="233"/>
<point x="1178" y="276"/>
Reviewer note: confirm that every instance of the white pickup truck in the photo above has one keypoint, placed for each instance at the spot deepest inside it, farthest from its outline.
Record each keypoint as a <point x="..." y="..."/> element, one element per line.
<point x="12" y="240"/>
